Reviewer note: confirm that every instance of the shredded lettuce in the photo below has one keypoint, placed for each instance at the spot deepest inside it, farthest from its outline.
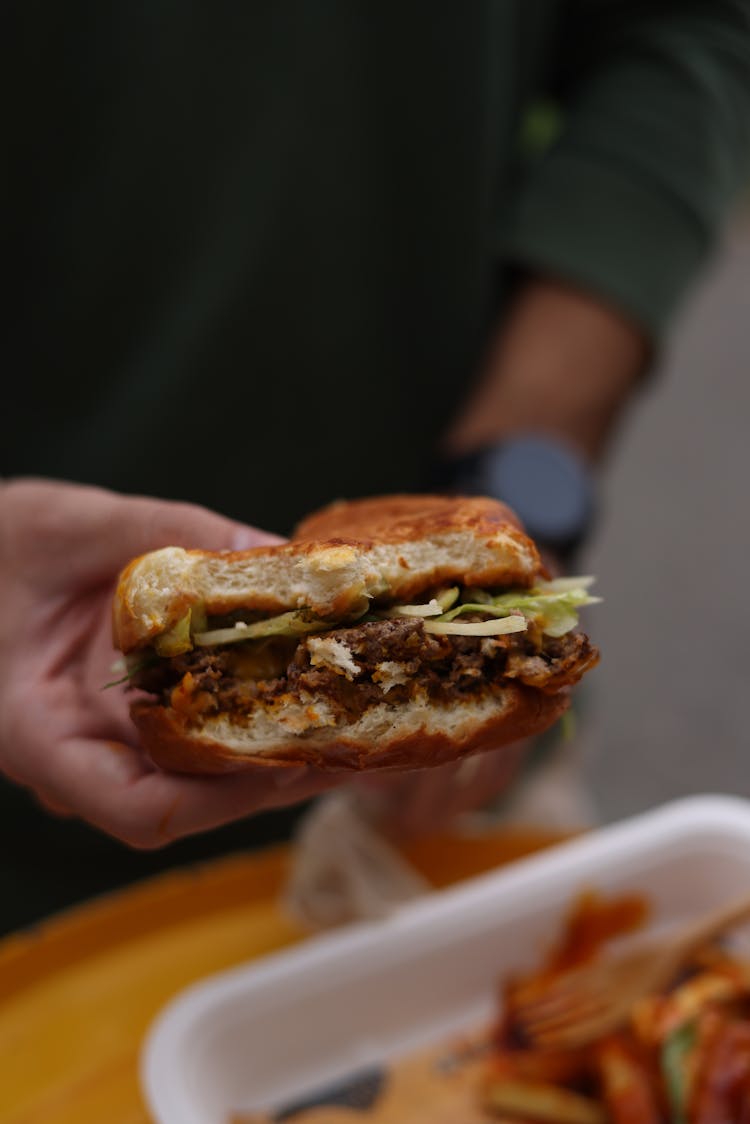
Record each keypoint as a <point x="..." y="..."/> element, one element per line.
<point x="471" y="593"/>
<point x="430" y="609"/>
<point x="447" y="597"/>
<point x="294" y="623"/>
<point x="675" y="1058"/>
<point x="434" y="608"/>
<point x="550" y="606"/>
<point x="176" y="639"/>
<point x="126" y="669"/>
<point x="514" y="623"/>
<point x="553" y="606"/>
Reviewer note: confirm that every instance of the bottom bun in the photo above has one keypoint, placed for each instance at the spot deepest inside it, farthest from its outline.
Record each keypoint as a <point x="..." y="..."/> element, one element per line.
<point x="411" y="735"/>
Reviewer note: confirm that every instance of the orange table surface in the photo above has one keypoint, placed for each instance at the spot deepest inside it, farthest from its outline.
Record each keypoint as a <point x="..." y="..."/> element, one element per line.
<point x="78" y="993"/>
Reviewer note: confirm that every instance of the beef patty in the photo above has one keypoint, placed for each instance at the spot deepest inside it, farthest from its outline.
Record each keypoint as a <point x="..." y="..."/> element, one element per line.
<point x="354" y="668"/>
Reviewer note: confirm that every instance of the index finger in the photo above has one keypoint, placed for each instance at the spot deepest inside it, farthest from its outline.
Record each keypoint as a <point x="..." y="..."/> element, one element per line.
<point x="111" y="785"/>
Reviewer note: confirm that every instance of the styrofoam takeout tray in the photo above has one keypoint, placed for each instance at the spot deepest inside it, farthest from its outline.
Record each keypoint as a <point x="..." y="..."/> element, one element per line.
<point x="262" y="1034"/>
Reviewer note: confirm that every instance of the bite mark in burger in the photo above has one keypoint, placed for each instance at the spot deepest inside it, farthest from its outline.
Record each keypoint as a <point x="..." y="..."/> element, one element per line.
<point x="392" y="632"/>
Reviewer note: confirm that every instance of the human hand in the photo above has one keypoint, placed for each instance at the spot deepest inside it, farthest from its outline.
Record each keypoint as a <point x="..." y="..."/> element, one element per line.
<point x="72" y="743"/>
<point x="405" y="806"/>
<point x="563" y="363"/>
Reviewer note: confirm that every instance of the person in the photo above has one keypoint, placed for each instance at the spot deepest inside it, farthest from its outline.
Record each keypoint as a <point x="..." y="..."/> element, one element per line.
<point x="265" y="255"/>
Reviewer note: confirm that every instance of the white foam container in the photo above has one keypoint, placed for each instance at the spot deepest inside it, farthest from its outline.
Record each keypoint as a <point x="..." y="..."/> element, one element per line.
<point x="266" y="1032"/>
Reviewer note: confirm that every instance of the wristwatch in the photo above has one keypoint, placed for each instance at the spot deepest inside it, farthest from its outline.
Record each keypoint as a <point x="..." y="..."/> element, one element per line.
<point x="544" y="481"/>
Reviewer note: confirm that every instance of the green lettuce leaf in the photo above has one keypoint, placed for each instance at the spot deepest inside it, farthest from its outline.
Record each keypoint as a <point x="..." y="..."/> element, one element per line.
<point x="553" y="606"/>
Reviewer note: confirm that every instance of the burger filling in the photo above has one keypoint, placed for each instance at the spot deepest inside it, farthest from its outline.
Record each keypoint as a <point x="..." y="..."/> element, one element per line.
<point x="455" y="645"/>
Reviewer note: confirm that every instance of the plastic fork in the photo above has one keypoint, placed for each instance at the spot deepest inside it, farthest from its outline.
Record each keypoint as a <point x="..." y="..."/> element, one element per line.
<point x="585" y="1003"/>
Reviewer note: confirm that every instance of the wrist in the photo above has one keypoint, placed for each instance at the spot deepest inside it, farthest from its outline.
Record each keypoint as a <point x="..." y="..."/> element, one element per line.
<point x="563" y="365"/>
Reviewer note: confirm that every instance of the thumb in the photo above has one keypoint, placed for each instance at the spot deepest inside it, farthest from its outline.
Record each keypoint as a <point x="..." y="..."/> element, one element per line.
<point x="98" y="531"/>
<point x="144" y="524"/>
<point x="149" y="524"/>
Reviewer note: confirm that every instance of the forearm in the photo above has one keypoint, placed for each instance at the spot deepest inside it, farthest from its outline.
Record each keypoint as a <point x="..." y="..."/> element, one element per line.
<point x="629" y="199"/>
<point x="563" y="364"/>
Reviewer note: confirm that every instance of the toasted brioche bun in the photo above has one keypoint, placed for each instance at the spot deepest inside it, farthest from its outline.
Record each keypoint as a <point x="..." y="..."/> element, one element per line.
<point x="340" y="559"/>
<point x="415" y="735"/>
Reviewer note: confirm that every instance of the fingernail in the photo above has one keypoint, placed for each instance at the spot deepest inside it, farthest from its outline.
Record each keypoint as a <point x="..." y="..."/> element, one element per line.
<point x="244" y="538"/>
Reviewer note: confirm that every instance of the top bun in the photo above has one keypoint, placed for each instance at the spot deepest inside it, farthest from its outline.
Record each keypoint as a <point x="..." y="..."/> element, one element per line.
<point x="386" y="548"/>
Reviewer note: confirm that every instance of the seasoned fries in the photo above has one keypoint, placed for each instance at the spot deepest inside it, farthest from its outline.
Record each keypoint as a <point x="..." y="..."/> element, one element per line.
<point x="681" y="1057"/>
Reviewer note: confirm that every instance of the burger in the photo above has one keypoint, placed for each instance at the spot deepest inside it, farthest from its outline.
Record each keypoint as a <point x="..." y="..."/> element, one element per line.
<point x="394" y="632"/>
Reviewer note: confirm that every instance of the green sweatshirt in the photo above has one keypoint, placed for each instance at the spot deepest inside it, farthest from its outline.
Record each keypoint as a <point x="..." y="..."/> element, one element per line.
<point x="256" y="248"/>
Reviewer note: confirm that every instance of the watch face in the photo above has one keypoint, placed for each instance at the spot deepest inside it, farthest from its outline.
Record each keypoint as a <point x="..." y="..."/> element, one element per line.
<point x="547" y="486"/>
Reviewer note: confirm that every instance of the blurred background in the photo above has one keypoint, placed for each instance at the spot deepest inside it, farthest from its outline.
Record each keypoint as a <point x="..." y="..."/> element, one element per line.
<point x="229" y="244"/>
<point x="666" y="711"/>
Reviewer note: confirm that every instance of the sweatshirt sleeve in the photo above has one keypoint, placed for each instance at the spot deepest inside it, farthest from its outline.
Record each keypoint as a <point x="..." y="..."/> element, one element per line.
<point x="631" y="197"/>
